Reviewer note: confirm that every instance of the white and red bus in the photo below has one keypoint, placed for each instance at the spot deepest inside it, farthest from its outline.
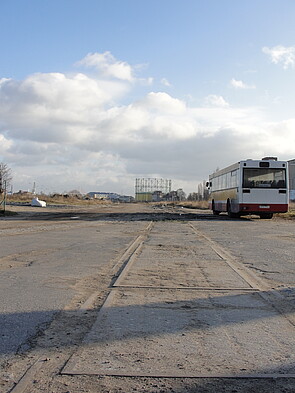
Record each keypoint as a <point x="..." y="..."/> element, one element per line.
<point x="250" y="187"/>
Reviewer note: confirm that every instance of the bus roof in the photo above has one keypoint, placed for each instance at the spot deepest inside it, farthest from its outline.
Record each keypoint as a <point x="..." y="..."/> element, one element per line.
<point x="225" y="170"/>
<point x="251" y="164"/>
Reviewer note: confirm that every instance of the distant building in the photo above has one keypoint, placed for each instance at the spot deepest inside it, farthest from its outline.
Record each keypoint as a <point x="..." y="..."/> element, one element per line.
<point x="172" y="196"/>
<point x="102" y="195"/>
<point x="148" y="189"/>
<point x="110" y="196"/>
<point x="144" y="197"/>
<point x="126" y="198"/>
<point x="157" y="196"/>
<point x="291" y="165"/>
<point x="23" y="192"/>
<point x="181" y="194"/>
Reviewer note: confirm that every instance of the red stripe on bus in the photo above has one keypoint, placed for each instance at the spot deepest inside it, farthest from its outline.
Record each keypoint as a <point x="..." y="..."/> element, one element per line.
<point x="263" y="207"/>
<point x="251" y="207"/>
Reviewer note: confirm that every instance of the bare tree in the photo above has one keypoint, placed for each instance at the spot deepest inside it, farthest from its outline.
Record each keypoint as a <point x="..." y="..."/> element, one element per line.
<point x="5" y="176"/>
<point x="193" y="196"/>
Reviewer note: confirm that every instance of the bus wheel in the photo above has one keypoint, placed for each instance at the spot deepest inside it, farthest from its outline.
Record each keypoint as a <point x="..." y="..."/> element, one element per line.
<point x="266" y="215"/>
<point x="230" y="213"/>
<point x="228" y="209"/>
<point x="215" y="212"/>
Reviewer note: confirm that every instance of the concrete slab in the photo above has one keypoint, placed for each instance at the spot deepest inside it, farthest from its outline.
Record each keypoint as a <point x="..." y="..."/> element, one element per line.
<point x="183" y="270"/>
<point x="168" y="333"/>
<point x="174" y="256"/>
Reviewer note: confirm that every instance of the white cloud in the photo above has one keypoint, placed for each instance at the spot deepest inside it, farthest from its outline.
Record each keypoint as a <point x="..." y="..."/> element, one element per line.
<point x="5" y="144"/>
<point x="54" y="107"/>
<point x="281" y="55"/>
<point x="108" y="65"/>
<point x="280" y="132"/>
<point x="146" y="81"/>
<point x="165" y="82"/>
<point x="215" y="100"/>
<point x="4" y="80"/>
<point x="163" y="103"/>
<point x="238" y="84"/>
<point x="81" y="131"/>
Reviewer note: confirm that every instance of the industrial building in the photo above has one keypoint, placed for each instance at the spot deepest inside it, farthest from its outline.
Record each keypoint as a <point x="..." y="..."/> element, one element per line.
<point x="147" y="189"/>
<point x="110" y="196"/>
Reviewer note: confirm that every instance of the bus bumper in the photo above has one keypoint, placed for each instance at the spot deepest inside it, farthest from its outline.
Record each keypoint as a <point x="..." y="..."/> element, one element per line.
<point x="263" y="207"/>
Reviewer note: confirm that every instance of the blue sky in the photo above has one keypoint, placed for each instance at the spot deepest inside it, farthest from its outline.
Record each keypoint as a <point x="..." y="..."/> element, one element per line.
<point x="95" y="93"/>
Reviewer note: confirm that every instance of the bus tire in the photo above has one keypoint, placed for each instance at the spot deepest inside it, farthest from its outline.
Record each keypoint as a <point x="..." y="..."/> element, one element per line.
<point x="215" y="212"/>
<point x="266" y="216"/>
<point x="228" y="209"/>
<point x="230" y="213"/>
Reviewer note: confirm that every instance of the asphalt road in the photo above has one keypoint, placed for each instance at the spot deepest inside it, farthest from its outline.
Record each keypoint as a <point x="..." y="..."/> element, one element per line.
<point x="41" y="267"/>
<point x="53" y="261"/>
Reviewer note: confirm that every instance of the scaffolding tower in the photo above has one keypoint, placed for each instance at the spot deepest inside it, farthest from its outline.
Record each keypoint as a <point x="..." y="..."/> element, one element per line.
<point x="145" y="187"/>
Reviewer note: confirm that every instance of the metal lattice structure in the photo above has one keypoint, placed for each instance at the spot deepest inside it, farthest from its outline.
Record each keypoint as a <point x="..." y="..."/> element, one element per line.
<point x="145" y="187"/>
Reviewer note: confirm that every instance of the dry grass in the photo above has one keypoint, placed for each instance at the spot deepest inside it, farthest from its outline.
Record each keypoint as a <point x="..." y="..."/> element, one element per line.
<point x="60" y="200"/>
<point x="194" y="204"/>
<point x="291" y="213"/>
<point x="189" y="204"/>
<point x="56" y="200"/>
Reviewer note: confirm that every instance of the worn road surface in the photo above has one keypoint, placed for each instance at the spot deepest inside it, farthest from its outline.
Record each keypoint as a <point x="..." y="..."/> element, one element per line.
<point x="144" y="298"/>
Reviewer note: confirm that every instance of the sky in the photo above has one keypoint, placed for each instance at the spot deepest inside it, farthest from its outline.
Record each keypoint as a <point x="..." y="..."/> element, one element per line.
<point x="97" y="93"/>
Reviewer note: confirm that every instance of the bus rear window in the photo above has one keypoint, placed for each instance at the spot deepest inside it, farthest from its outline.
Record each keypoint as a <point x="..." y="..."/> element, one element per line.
<point x="264" y="178"/>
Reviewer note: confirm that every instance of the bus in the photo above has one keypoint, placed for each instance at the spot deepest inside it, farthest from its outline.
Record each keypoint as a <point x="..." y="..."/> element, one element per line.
<point x="257" y="187"/>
